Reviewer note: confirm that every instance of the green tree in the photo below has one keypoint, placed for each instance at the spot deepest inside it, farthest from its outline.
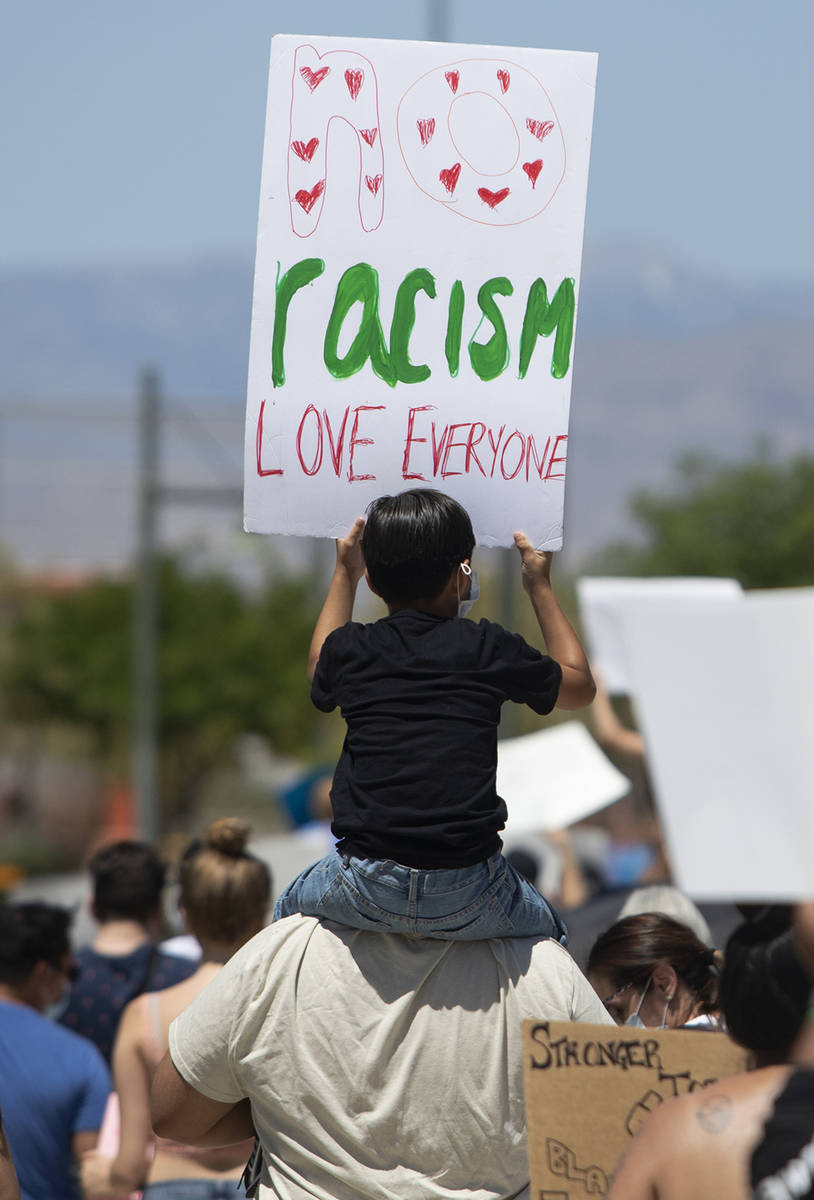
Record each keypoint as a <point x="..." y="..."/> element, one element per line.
<point x="229" y="662"/>
<point x="752" y="521"/>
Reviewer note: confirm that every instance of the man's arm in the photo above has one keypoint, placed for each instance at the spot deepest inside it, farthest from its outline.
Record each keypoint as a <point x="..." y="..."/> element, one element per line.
<point x="338" y="607"/>
<point x="577" y="689"/>
<point x="9" y="1188"/>
<point x="609" y="729"/>
<point x="182" y="1113"/>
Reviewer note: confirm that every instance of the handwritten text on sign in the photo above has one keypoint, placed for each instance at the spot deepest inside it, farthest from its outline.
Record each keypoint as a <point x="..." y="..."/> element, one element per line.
<point x="589" y="1089"/>
<point x="420" y="232"/>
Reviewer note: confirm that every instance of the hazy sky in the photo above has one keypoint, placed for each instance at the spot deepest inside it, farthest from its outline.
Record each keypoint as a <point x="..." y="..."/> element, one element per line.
<point x="134" y="130"/>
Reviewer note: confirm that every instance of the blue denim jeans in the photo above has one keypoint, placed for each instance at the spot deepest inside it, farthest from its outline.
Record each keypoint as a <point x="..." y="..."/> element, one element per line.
<point x="194" y="1189"/>
<point x="488" y="899"/>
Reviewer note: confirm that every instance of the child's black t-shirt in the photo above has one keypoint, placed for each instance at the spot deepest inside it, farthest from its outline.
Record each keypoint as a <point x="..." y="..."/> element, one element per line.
<point x="421" y="696"/>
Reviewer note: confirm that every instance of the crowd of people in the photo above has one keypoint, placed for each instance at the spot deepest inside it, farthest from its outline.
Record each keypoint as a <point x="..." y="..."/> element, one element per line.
<point x="367" y="1063"/>
<point x="367" y="1042"/>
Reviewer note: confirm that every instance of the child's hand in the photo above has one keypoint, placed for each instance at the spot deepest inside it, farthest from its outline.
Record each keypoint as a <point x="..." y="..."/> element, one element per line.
<point x="535" y="564"/>
<point x="349" y="552"/>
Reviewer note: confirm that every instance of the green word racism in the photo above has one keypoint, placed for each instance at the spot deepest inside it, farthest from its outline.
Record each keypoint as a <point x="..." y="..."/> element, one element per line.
<point x="391" y="360"/>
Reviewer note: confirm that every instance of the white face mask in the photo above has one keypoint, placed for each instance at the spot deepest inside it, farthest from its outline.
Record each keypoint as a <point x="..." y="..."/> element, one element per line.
<point x="55" y="1010"/>
<point x="636" y="1021"/>
<point x="464" y="606"/>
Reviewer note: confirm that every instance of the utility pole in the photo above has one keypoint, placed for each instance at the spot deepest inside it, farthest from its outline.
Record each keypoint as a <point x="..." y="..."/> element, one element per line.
<point x="145" y="612"/>
<point x="152" y="494"/>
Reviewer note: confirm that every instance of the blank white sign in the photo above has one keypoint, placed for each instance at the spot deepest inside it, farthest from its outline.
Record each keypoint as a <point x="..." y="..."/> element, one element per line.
<point x="554" y="777"/>
<point x="602" y="605"/>
<point x="726" y="704"/>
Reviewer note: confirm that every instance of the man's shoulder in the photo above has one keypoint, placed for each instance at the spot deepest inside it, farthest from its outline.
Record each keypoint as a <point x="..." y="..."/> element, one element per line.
<point x="366" y="954"/>
<point x="541" y="956"/>
<point x="48" y="1039"/>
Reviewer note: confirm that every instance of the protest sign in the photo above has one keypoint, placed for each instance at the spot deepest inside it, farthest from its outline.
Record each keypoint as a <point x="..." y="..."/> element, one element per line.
<point x="416" y="282"/>
<point x="553" y="777"/>
<point x="590" y="1087"/>
<point x="725" y="703"/>
<point x="602" y="603"/>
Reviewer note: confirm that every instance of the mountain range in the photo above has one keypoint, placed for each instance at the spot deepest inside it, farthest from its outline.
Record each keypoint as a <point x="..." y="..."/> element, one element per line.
<point x="669" y="358"/>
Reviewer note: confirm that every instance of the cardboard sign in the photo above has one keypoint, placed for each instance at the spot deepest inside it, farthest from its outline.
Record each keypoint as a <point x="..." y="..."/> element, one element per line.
<point x="553" y="777"/>
<point x="602" y="604"/>
<point x="590" y="1087"/>
<point x="726" y="705"/>
<point x="417" y="274"/>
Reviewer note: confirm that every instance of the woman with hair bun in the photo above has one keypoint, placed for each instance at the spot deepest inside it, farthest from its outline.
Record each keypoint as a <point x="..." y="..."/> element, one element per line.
<point x="651" y="970"/>
<point x="224" y="899"/>
<point x="698" y="1146"/>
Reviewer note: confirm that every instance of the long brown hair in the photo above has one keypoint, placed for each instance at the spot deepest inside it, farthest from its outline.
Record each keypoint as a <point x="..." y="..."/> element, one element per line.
<point x="225" y="891"/>
<point x="631" y="948"/>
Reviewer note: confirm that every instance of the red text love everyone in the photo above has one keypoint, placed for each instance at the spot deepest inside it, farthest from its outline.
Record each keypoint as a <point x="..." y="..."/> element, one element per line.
<point x="430" y="449"/>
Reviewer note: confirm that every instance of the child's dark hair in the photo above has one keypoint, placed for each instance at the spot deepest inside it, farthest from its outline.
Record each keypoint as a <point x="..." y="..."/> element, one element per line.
<point x="764" y="986"/>
<point x="412" y="541"/>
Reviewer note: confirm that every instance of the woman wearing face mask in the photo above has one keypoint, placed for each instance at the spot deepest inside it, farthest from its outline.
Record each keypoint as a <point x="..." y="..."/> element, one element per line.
<point x="699" y="1146"/>
<point x="650" y="970"/>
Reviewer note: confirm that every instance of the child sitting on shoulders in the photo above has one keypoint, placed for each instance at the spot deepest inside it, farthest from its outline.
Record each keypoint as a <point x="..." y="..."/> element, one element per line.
<point x="415" y="805"/>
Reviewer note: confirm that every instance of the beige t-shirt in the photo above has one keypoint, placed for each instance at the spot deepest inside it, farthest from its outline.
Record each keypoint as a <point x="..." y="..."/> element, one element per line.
<point x="379" y="1066"/>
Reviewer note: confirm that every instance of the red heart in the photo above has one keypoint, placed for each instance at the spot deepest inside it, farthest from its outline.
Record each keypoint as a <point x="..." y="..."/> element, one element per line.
<point x="314" y="78"/>
<point x="426" y="128"/>
<point x="369" y="135"/>
<point x="505" y="79"/>
<point x="354" y="79"/>
<point x="374" y="183"/>
<point x="452" y="78"/>
<point x="540" y="129"/>
<point x="533" y="169"/>
<point x="493" y="198"/>
<point x="307" y="200"/>
<point x="305" y="150"/>
<point x="449" y="177"/>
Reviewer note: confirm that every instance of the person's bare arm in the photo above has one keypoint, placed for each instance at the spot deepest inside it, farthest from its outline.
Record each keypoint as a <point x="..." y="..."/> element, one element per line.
<point x="131" y="1077"/>
<point x="9" y="1187"/>
<point x="609" y="729"/>
<point x="126" y="1172"/>
<point x="573" y="887"/>
<point x="338" y="607"/>
<point x="642" y="1165"/>
<point x="577" y="689"/>
<point x="182" y="1113"/>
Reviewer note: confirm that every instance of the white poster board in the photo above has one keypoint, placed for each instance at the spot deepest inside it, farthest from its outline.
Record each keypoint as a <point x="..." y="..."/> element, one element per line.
<point x="726" y="704"/>
<point x="418" y="261"/>
<point x="602" y="605"/>
<point x="554" y="777"/>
